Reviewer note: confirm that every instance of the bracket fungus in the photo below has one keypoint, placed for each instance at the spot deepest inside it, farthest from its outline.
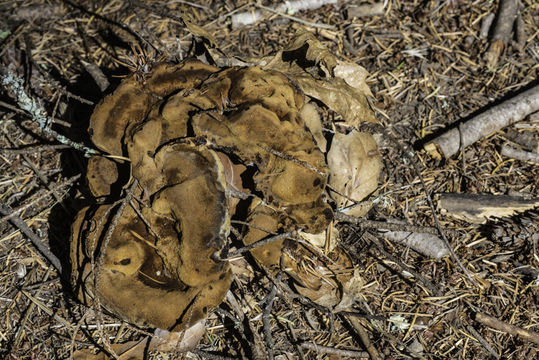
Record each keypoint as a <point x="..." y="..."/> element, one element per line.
<point x="175" y="145"/>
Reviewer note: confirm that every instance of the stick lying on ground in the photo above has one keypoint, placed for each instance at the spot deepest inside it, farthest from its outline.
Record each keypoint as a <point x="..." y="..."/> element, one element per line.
<point x="507" y="328"/>
<point x="36" y="240"/>
<point x="511" y="151"/>
<point x="484" y="124"/>
<point x="478" y="208"/>
<point x="507" y="14"/>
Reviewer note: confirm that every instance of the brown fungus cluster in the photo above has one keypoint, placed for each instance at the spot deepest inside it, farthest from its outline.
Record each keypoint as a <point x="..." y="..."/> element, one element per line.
<point x="180" y="147"/>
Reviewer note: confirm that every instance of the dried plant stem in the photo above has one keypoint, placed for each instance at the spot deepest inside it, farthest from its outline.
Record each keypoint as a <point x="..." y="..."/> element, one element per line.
<point x="41" y="247"/>
<point x="15" y="84"/>
<point x="507" y="328"/>
<point x="482" y="341"/>
<point x="484" y="124"/>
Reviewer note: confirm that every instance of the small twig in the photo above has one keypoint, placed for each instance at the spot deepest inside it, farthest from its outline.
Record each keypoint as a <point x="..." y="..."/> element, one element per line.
<point x="293" y="159"/>
<point x="285" y="10"/>
<point x="319" y="349"/>
<point x="483" y="341"/>
<point x="372" y="224"/>
<point x="206" y="355"/>
<point x="253" y="226"/>
<point x="19" y="111"/>
<point x="507" y="328"/>
<point x="364" y="336"/>
<point x="15" y="84"/>
<point x="268" y="302"/>
<point x="22" y="324"/>
<point x="35" y="149"/>
<point x="427" y="244"/>
<point x="41" y="247"/>
<point x="512" y="152"/>
<point x="290" y="234"/>
<point x="39" y="198"/>
<point x="96" y="74"/>
<point x="418" y="276"/>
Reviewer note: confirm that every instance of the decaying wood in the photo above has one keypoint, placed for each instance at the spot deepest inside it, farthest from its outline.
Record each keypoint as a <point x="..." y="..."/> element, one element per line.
<point x="427" y="244"/>
<point x="507" y="15"/>
<point x="478" y="208"/>
<point x="484" y="124"/>
<point x="507" y="328"/>
<point x="511" y="151"/>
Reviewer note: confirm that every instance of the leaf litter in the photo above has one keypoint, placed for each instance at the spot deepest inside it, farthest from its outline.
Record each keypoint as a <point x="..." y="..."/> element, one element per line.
<point x="413" y="97"/>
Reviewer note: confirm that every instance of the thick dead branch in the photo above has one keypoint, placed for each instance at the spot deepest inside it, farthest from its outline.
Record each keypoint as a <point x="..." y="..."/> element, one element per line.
<point x="507" y="14"/>
<point x="478" y="208"/>
<point x="484" y="124"/>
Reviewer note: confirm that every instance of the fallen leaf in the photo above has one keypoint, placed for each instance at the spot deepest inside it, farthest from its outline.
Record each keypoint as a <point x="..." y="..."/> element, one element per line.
<point x="354" y="166"/>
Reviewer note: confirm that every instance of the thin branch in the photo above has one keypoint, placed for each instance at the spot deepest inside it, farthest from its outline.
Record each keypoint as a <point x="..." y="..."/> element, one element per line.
<point x="36" y="240"/>
<point x="290" y="234"/>
<point x="507" y="328"/>
<point x="15" y="85"/>
<point x="39" y="198"/>
<point x="268" y="301"/>
<point x="372" y="224"/>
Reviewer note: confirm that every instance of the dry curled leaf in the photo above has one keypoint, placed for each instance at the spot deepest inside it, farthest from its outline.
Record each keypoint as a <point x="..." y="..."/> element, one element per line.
<point x="354" y="165"/>
<point x="302" y="62"/>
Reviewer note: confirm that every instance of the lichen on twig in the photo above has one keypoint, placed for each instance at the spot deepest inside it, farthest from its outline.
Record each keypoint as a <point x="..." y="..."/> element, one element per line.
<point x="14" y="84"/>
